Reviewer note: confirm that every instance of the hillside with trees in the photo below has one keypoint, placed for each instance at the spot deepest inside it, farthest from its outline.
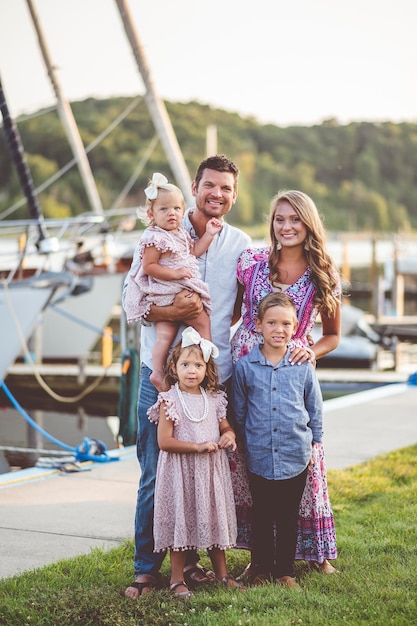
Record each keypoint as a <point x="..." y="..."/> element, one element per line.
<point x="363" y="176"/>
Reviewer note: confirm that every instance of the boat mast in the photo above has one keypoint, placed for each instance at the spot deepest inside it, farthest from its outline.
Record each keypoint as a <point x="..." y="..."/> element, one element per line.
<point x="157" y="108"/>
<point x="68" y="121"/>
<point x="15" y="145"/>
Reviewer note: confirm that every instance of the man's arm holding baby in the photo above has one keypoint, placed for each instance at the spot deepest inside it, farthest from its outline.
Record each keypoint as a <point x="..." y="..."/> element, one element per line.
<point x="186" y="306"/>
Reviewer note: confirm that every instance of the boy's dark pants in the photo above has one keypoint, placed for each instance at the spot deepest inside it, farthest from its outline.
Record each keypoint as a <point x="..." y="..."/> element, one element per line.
<point x="274" y="523"/>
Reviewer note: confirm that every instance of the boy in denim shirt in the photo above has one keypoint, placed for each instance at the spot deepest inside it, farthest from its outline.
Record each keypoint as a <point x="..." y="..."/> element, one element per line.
<point x="279" y="413"/>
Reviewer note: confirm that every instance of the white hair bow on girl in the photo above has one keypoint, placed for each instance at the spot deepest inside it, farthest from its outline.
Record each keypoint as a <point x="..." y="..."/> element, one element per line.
<point x="191" y="337"/>
<point x="158" y="180"/>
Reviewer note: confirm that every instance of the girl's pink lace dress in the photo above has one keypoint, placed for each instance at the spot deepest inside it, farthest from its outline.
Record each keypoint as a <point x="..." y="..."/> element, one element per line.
<point x="143" y="290"/>
<point x="316" y="539"/>
<point x="194" y="505"/>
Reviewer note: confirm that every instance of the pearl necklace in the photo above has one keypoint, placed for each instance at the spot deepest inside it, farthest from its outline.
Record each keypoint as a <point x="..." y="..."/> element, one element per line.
<point x="186" y="409"/>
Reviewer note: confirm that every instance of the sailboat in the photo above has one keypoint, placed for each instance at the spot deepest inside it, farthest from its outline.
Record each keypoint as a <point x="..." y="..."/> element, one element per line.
<point x="21" y="303"/>
<point x="23" y="299"/>
<point x="71" y="328"/>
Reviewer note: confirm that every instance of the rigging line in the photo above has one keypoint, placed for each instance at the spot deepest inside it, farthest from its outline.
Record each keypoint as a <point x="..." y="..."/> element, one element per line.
<point x="67" y="399"/>
<point x="41" y="188"/>
<point x="114" y="124"/>
<point x="63" y="170"/>
<point x="136" y="173"/>
<point x="42" y="383"/>
<point x="15" y="146"/>
<point x="29" y="116"/>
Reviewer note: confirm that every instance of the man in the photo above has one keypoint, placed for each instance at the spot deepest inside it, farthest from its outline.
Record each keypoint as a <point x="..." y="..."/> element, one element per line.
<point x="215" y="189"/>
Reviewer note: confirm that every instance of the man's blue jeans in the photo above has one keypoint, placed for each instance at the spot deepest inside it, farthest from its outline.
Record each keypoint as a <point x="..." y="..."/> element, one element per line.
<point x="146" y="560"/>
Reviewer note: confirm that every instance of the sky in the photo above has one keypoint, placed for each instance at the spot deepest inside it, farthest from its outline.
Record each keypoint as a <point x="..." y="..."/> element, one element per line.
<point x="295" y="62"/>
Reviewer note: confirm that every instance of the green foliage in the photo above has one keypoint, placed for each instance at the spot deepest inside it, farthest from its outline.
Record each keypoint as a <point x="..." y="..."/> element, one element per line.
<point x="375" y="509"/>
<point x="363" y="176"/>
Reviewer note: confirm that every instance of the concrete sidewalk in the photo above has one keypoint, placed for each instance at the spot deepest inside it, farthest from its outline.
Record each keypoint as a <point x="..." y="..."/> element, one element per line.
<point x="363" y="425"/>
<point x="46" y="516"/>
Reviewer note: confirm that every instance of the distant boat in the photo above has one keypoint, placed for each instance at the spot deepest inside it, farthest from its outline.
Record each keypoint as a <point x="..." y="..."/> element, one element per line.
<point x="72" y="328"/>
<point x="359" y="342"/>
<point x="22" y="300"/>
<point x="82" y="305"/>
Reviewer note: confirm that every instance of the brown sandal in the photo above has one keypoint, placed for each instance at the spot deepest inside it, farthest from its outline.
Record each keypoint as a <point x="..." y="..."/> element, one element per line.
<point x="146" y="582"/>
<point x="324" y="568"/>
<point x="180" y="594"/>
<point x="229" y="581"/>
<point x="195" y="575"/>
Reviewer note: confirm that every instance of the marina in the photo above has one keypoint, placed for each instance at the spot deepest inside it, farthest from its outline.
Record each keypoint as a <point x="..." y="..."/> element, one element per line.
<point x="68" y="361"/>
<point x="99" y="415"/>
<point x="69" y="365"/>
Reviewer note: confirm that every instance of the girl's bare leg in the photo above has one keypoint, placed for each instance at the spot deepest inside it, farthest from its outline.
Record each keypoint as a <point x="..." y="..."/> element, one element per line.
<point x="202" y="324"/>
<point x="218" y="559"/>
<point x="165" y="335"/>
<point x="177" y="584"/>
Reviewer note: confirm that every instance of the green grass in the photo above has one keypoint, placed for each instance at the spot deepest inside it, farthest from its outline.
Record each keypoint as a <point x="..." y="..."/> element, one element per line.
<point x="375" y="506"/>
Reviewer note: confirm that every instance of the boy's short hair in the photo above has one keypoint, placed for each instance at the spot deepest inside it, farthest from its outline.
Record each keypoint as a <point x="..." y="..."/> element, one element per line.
<point x="275" y="299"/>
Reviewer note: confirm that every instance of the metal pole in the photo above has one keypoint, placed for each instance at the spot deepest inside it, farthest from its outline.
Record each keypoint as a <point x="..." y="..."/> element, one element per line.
<point x="157" y="108"/>
<point x="68" y="121"/>
<point x="211" y="140"/>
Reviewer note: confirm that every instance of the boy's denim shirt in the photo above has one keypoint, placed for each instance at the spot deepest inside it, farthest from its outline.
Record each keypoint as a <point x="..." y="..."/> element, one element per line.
<point x="279" y="413"/>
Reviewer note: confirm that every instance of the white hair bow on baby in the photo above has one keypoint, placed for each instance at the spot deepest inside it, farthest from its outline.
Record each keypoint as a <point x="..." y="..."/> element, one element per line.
<point x="191" y="337"/>
<point x="158" y="180"/>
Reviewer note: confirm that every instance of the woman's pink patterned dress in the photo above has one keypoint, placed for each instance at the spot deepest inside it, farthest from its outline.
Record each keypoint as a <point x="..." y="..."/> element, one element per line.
<point x="316" y="539"/>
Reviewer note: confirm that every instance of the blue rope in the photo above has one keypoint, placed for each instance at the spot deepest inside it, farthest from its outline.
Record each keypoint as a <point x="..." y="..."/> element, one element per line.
<point x="88" y="450"/>
<point x="78" y="320"/>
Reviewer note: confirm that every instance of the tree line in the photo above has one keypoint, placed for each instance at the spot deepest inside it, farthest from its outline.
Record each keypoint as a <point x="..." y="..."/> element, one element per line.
<point x="362" y="175"/>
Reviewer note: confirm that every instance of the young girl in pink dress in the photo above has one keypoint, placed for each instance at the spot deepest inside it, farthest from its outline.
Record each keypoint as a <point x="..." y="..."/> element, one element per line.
<point x="194" y="506"/>
<point x="167" y="265"/>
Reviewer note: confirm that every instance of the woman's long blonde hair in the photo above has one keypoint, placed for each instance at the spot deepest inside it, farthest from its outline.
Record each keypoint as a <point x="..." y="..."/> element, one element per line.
<point x="323" y="273"/>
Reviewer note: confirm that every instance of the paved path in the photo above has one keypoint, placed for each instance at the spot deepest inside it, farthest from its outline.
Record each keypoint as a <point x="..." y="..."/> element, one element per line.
<point x="46" y="516"/>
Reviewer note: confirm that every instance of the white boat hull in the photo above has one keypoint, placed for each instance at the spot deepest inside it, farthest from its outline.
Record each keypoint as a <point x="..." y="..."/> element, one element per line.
<point x="72" y="334"/>
<point x="20" y="307"/>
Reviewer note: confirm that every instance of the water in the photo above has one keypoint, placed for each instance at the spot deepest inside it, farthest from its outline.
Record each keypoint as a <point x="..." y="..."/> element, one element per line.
<point x="68" y="428"/>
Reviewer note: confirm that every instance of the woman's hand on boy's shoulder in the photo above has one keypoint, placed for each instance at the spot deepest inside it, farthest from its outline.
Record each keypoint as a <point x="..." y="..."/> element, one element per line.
<point x="299" y="355"/>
